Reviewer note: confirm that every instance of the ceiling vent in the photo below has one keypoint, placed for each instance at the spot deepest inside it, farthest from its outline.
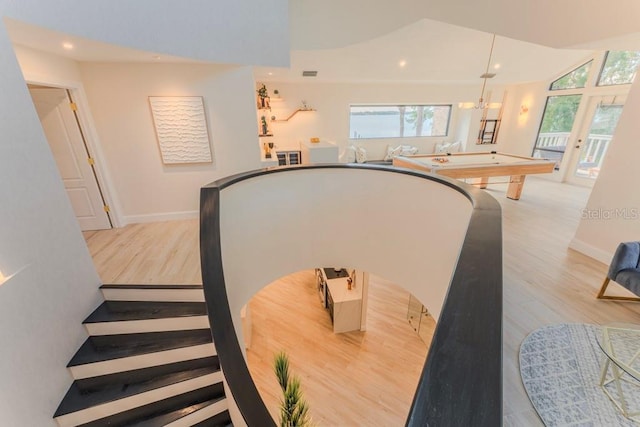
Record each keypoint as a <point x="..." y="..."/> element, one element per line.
<point x="488" y="75"/>
<point x="309" y="73"/>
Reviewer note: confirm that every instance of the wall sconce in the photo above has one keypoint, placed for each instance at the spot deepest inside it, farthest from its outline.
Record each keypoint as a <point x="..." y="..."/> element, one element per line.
<point x="524" y="109"/>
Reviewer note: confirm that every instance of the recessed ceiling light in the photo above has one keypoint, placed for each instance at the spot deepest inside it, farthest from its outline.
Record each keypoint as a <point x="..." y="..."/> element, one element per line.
<point x="402" y="63"/>
<point x="156" y="57"/>
<point x="271" y="74"/>
<point x="67" y="45"/>
<point x="497" y="66"/>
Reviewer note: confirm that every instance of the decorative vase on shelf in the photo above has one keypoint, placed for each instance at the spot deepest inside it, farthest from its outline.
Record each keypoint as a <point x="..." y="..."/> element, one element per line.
<point x="263" y="122"/>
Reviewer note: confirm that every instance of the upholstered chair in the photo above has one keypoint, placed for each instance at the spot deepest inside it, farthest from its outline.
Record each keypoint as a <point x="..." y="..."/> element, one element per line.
<point x="624" y="270"/>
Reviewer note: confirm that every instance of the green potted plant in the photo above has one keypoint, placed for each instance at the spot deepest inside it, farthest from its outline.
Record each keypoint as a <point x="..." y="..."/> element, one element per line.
<point x="263" y="97"/>
<point x="294" y="411"/>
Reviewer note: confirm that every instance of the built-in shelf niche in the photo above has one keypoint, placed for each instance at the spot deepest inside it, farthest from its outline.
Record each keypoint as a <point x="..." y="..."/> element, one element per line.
<point x="265" y="103"/>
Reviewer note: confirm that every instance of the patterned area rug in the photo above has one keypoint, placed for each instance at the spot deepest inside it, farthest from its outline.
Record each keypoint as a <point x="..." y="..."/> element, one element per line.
<point x="560" y="369"/>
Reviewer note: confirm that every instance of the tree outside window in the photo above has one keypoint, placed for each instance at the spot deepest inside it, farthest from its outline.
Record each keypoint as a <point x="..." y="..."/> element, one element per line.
<point x="619" y="68"/>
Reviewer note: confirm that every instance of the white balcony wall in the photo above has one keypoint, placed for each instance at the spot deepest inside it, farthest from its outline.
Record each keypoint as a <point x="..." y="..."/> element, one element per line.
<point x="404" y="228"/>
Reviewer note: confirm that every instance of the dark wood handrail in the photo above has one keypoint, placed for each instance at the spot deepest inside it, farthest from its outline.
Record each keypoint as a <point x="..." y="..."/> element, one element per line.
<point x="461" y="383"/>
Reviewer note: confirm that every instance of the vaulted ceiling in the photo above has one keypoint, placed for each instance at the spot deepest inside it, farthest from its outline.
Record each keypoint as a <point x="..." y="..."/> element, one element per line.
<point x="560" y="24"/>
<point x="429" y="51"/>
<point x="423" y="41"/>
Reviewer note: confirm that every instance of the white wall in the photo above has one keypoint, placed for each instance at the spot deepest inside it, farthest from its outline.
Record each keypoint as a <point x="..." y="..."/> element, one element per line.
<point x="331" y="120"/>
<point x="612" y="212"/>
<point x="148" y="190"/>
<point x="56" y="286"/>
<point x="388" y="224"/>
<point x="518" y="132"/>
<point x="141" y="188"/>
<point x="39" y="66"/>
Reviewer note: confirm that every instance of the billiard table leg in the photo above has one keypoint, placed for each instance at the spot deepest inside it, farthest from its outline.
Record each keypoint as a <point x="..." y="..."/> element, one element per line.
<point x="516" y="182"/>
<point x="481" y="182"/>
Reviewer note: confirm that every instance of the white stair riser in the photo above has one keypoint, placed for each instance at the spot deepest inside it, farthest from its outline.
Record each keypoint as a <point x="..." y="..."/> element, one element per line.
<point x="150" y="325"/>
<point x="142" y="361"/>
<point x="201" y="415"/>
<point x="121" y="405"/>
<point x="168" y="295"/>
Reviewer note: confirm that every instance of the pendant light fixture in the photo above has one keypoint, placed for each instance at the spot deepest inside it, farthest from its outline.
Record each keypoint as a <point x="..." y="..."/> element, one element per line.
<point x="481" y="104"/>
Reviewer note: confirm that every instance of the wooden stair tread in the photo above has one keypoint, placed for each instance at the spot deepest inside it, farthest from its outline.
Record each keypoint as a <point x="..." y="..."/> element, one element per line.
<point x="118" y="311"/>
<point x="155" y="287"/>
<point x="164" y="411"/>
<point x="223" y="419"/>
<point x="89" y="392"/>
<point x="108" y="347"/>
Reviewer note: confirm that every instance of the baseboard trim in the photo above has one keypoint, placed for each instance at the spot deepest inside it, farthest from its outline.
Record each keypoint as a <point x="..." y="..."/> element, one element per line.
<point x="591" y="251"/>
<point x="169" y="216"/>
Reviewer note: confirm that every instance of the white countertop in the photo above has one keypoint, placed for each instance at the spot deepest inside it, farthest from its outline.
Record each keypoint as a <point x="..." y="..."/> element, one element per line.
<point x="340" y="291"/>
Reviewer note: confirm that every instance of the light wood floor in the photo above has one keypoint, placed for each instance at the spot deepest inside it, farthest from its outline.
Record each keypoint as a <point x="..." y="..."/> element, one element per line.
<point x="157" y="253"/>
<point x="350" y="379"/>
<point x="544" y="283"/>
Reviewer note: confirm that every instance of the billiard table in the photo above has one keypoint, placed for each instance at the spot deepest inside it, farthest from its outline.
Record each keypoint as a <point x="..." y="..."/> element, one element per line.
<point x="480" y="166"/>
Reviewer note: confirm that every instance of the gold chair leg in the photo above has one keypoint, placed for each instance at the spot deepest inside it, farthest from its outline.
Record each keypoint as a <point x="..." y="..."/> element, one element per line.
<point x="603" y="288"/>
<point x="601" y="294"/>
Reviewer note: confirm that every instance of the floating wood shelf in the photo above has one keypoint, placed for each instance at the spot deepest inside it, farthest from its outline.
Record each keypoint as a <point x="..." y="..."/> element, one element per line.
<point x="293" y="114"/>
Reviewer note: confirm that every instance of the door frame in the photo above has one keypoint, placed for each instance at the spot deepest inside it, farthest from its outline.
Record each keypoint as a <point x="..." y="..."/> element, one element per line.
<point x="577" y="143"/>
<point x="87" y="126"/>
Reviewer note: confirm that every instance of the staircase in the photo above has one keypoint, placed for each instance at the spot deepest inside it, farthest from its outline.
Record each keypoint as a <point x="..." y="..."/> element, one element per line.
<point x="149" y="361"/>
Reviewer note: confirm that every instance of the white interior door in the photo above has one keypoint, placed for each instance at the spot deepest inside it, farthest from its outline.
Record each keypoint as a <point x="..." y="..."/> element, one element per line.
<point x="596" y="132"/>
<point x="68" y="147"/>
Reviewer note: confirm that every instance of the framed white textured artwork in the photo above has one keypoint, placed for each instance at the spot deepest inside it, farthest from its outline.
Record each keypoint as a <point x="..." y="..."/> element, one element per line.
<point x="181" y="129"/>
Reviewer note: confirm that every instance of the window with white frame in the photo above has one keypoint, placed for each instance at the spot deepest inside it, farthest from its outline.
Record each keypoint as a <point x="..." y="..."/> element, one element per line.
<point x="398" y="121"/>
<point x="575" y="79"/>
<point x="619" y="68"/>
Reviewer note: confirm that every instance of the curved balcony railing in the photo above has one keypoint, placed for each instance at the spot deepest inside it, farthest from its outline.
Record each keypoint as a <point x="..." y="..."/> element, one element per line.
<point x="461" y="383"/>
